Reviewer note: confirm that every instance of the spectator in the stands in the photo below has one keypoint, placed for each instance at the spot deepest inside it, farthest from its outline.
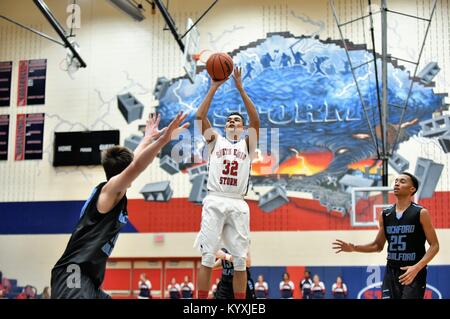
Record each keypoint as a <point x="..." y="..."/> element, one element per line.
<point x="339" y="289"/>
<point x="317" y="288"/>
<point x="145" y="287"/>
<point x="174" y="289"/>
<point x="261" y="288"/>
<point x="286" y="287"/>
<point x="45" y="294"/>
<point x="187" y="288"/>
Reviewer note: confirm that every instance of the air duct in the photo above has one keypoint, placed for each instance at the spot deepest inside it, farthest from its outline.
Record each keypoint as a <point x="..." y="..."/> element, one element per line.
<point x="129" y="8"/>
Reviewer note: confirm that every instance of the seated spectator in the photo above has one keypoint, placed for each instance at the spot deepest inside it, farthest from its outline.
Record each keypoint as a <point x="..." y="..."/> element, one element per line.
<point x="145" y="287"/>
<point x="261" y="288"/>
<point x="339" y="289"/>
<point x="286" y="287"/>
<point x="317" y="289"/>
<point x="305" y="285"/>
<point x="45" y="293"/>
<point x="173" y="289"/>
<point x="187" y="288"/>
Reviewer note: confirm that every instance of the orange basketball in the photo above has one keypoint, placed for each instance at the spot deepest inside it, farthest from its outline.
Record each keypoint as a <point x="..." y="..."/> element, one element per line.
<point x="219" y="66"/>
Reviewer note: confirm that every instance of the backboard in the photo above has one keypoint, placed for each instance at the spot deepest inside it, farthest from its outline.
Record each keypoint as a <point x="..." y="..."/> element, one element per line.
<point x="192" y="48"/>
<point x="368" y="203"/>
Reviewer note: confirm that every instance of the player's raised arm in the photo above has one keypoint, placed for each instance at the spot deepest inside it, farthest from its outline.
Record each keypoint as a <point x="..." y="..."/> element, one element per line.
<point x="117" y="185"/>
<point x="202" y="112"/>
<point x="254" y="123"/>
<point x="376" y="246"/>
<point x="151" y="133"/>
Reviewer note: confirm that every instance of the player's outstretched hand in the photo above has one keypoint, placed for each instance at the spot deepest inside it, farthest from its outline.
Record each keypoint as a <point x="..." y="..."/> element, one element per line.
<point x="174" y="127"/>
<point x="151" y="128"/>
<point x="340" y="245"/>
<point x="237" y="76"/>
<point x="223" y="255"/>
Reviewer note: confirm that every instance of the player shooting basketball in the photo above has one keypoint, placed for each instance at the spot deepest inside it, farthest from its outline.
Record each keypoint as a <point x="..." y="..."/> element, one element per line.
<point x="225" y="214"/>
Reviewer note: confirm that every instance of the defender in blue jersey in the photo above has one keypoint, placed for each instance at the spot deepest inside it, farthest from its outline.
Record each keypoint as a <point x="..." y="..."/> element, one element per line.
<point x="405" y="226"/>
<point x="79" y="273"/>
<point x="225" y="285"/>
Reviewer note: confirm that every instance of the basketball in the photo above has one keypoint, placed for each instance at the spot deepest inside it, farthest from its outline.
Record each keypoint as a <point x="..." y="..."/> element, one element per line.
<point x="219" y="66"/>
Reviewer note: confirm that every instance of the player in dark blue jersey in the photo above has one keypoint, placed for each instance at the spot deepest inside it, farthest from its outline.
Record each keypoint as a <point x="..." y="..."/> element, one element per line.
<point x="405" y="226"/>
<point x="225" y="285"/>
<point x="79" y="273"/>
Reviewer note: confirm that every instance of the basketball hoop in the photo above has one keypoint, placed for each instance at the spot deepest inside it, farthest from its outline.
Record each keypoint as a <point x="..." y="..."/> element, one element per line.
<point x="202" y="56"/>
<point x="191" y="47"/>
<point x="72" y="64"/>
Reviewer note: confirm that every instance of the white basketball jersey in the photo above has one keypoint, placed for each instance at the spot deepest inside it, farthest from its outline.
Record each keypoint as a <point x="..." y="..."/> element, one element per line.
<point x="229" y="167"/>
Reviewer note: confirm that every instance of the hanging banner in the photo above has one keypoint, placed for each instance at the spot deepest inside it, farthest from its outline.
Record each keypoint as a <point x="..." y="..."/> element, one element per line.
<point x="29" y="136"/>
<point x="5" y="83"/>
<point x="4" y="133"/>
<point x="32" y="77"/>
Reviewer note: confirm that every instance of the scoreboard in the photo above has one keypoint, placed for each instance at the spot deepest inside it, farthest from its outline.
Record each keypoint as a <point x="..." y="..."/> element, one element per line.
<point x="82" y="148"/>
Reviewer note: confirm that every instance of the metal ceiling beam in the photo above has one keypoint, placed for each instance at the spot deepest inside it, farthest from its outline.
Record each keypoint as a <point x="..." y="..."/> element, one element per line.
<point x="59" y="29"/>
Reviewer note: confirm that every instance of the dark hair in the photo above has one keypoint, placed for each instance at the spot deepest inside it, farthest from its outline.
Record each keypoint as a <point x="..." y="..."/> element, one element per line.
<point x="414" y="180"/>
<point x="115" y="159"/>
<point x="238" y="114"/>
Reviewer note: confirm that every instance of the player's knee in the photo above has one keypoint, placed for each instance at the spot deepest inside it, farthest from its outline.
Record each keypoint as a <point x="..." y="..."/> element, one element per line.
<point x="208" y="260"/>
<point x="239" y="263"/>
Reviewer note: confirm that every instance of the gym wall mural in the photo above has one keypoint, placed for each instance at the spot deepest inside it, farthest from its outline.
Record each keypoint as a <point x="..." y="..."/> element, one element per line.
<point x="304" y="91"/>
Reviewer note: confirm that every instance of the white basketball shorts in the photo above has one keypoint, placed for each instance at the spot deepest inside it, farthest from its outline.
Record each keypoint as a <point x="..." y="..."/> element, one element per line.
<point x="224" y="220"/>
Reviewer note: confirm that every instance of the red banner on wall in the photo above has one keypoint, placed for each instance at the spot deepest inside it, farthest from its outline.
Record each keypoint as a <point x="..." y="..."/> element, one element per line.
<point x="32" y="78"/>
<point x="23" y="84"/>
<point x="21" y="124"/>
<point x="29" y="136"/>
